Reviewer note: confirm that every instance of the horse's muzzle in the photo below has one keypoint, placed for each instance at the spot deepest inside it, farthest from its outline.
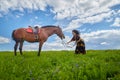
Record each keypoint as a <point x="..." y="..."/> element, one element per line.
<point x="63" y="37"/>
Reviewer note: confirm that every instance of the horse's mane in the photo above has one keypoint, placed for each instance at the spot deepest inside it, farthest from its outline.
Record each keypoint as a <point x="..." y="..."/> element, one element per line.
<point x="48" y="26"/>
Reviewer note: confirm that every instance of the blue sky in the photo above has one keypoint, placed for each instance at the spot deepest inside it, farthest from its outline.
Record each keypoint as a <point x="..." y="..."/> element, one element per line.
<point x="97" y="20"/>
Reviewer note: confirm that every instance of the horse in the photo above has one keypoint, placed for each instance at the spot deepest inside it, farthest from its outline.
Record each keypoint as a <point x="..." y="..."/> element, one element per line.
<point x="20" y="35"/>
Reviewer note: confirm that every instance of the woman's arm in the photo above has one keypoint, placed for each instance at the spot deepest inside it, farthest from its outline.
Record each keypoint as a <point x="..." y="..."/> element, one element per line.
<point x="73" y="39"/>
<point x="69" y="42"/>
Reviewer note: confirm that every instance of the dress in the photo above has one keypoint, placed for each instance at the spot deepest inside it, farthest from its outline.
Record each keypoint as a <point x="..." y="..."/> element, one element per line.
<point x="80" y="45"/>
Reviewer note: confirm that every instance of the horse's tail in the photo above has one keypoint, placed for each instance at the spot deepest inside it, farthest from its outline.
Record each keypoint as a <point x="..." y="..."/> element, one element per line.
<point x="13" y="37"/>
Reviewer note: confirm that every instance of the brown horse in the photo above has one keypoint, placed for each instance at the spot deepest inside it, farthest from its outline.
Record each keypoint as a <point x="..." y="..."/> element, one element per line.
<point x="20" y="35"/>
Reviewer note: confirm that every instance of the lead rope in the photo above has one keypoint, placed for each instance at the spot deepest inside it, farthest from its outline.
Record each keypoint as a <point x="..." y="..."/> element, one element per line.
<point x="66" y="46"/>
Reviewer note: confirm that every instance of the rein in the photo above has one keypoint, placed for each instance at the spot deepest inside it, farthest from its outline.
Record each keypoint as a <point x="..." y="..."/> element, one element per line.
<point x="66" y="45"/>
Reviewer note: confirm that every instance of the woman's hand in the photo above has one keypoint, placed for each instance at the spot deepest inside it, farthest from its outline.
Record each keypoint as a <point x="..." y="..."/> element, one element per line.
<point x="68" y="42"/>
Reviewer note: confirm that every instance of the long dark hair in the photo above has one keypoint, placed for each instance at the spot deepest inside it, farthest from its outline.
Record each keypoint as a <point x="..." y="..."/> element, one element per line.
<point x="76" y="32"/>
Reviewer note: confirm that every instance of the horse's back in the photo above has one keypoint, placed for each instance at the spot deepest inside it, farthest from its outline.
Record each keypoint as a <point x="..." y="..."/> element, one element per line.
<point x="18" y="33"/>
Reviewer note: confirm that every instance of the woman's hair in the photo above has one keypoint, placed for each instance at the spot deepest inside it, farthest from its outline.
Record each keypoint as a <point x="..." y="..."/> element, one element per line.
<point x="76" y="32"/>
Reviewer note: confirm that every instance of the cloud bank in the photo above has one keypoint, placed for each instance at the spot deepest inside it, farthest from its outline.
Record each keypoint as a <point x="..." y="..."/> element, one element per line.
<point x="4" y="40"/>
<point x="78" y="13"/>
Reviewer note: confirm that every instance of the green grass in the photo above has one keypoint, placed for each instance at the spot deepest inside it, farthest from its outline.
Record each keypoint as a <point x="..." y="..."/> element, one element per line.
<point x="61" y="65"/>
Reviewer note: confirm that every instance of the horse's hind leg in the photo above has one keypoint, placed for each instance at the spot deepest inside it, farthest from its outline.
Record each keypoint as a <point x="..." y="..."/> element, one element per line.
<point x="20" y="47"/>
<point x="15" y="48"/>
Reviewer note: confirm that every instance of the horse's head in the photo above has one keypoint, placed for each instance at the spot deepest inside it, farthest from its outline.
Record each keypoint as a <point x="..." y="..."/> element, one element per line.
<point x="60" y="33"/>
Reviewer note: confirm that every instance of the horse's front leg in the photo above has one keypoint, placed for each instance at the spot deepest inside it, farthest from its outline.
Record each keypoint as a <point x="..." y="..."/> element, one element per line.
<point x="20" y="47"/>
<point x="40" y="46"/>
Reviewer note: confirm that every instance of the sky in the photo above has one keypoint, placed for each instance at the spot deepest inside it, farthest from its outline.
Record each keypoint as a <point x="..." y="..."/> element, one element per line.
<point x="98" y="22"/>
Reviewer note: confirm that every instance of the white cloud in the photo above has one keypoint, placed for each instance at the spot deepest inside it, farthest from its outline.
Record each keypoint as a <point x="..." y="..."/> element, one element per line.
<point x="55" y="45"/>
<point x="58" y="44"/>
<point x="82" y="8"/>
<point x="116" y="22"/>
<point x="79" y="11"/>
<point x="20" y="5"/>
<point x="83" y="11"/>
<point x="36" y="17"/>
<point x="90" y="19"/>
<point x="104" y="39"/>
<point x="109" y="19"/>
<point x="19" y="15"/>
<point x="94" y="12"/>
<point x="4" y="40"/>
<point x="29" y="46"/>
<point x="119" y="12"/>
<point x="103" y="43"/>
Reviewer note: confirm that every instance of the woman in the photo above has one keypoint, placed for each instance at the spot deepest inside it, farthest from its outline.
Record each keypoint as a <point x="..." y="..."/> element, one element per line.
<point x="80" y="45"/>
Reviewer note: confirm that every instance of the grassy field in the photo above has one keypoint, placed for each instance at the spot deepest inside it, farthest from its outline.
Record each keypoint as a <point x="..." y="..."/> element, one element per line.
<point x="61" y="65"/>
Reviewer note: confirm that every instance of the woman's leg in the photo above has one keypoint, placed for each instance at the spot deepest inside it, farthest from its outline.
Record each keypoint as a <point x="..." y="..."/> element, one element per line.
<point x="76" y="50"/>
